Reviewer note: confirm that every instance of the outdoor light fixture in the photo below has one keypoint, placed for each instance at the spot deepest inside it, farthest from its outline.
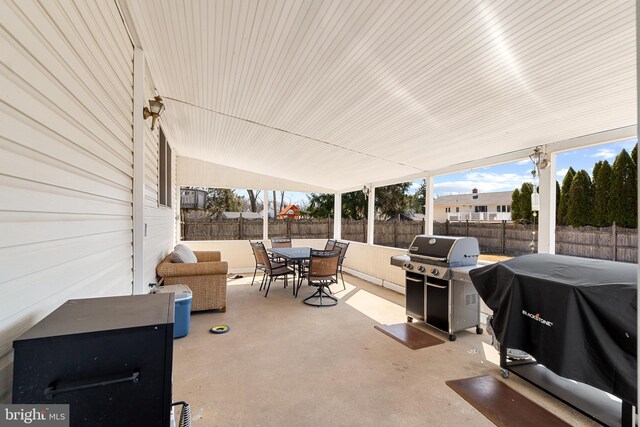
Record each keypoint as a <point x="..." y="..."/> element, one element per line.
<point x="156" y="107"/>
<point x="539" y="159"/>
<point x="366" y="190"/>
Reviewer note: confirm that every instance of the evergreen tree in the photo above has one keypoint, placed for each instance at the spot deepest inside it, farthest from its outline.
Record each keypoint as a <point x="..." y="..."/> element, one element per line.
<point x="557" y="196"/>
<point x="392" y="200"/>
<point x="623" y="202"/>
<point x="417" y="201"/>
<point x="601" y="190"/>
<point x="354" y="205"/>
<point x="320" y="205"/>
<point x="515" y="206"/>
<point x="561" y="213"/>
<point x="524" y="204"/>
<point x="634" y="154"/>
<point x="580" y="206"/>
<point x="223" y="200"/>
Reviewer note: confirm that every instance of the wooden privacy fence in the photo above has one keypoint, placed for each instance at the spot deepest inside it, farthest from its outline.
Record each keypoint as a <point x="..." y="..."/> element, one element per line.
<point x="244" y="229"/>
<point x="505" y="238"/>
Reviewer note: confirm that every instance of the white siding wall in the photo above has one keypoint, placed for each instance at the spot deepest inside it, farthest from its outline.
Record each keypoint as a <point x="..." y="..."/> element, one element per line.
<point x="66" y="162"/>
<point x="159" y="219"/>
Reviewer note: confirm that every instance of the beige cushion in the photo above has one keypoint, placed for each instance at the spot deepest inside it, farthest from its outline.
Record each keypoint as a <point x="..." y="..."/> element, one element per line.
<point x="182" y="254"/>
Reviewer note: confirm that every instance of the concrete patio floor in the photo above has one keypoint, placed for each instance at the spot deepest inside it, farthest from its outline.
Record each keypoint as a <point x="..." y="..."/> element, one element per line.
<point x="288" y="364"/>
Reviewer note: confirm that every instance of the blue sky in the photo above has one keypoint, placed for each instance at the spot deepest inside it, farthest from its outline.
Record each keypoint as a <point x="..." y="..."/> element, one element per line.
<point x="509" y="176"/>
<point x="504" y="177"/>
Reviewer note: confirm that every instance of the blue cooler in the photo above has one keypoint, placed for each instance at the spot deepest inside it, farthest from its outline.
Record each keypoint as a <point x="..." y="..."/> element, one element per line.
<point x="183" y="308"/>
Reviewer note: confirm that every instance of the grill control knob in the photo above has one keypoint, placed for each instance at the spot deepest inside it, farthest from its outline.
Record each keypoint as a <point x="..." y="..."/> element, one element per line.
<point x="409" y="266"/>
<point x="435" y="271"/>
<point x="421" y="269"/>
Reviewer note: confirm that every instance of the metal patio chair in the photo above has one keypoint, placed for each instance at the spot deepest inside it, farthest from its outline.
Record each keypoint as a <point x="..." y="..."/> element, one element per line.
<point x="342" y="247"/>
<point x="272" y="269"/>
<point x="322" y="272"/>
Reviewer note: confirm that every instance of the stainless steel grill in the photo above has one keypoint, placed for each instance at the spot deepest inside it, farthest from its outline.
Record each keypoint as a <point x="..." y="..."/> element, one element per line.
<point x="438" y="288"/>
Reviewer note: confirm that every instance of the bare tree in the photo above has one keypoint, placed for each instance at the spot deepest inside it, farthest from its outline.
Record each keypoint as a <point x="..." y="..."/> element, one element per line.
<point x="253" y="197"/>
<point x="275" y="205"/>
<point x="281" y="200"/>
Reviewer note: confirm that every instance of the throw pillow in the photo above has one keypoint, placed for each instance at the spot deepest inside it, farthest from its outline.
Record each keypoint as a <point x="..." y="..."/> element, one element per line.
<point x="182" y="254"/>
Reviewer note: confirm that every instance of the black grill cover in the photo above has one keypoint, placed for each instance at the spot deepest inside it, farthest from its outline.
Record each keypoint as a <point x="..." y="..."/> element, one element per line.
<point x="576" y="316"/>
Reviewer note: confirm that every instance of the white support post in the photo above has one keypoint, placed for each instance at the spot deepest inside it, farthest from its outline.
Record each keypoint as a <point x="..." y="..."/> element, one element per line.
<point x="547" y="214"/>
<point x="265" y="215"/>
<point x="138" y="286"/>
<point x="337" y="216"/>
<point x="428" y="205"/>
<point x="371" y="214"/>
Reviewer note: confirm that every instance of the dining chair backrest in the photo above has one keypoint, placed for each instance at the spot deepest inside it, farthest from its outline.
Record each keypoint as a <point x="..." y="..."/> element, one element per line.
<point x="253" y="250"/>
<point x="342" y="247"/>
<point x="323" y="264"/>
<point x="329" y="245"/>
<point x="280" y="242"/>
<point x="261" y="255"/>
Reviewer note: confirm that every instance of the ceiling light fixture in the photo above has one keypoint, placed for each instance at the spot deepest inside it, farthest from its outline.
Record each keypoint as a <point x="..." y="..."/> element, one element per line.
<point x="156" y="107"/>
<point x="366" y="190"/>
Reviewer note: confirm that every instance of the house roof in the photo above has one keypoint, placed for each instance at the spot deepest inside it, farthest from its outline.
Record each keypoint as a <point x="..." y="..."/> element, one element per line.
<point x="496" y="198"/>
<point x="285" y="210"/>
<point x="347" y="93"/>
<point x="412" y="216"/>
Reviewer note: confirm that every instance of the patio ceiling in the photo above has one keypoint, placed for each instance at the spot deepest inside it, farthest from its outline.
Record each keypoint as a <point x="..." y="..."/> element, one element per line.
<point x="342" y="93"/>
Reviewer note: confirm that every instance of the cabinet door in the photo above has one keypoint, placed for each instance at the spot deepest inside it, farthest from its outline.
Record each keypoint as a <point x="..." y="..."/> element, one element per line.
<point x="438" y="303"/>
<point x="415" y="295"/>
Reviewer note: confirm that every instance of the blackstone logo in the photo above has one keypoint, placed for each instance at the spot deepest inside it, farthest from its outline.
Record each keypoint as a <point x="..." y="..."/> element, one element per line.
<point x="537" y="318"/>
<point x="36" y="415"/>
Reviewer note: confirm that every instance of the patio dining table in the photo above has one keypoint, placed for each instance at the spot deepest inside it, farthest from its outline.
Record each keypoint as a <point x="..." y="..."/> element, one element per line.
<point x="295" y="256"/>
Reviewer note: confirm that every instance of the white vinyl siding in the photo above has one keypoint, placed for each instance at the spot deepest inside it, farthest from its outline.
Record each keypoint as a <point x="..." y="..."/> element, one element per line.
<point x="159" y="219"/>
<point x="66" y="161"/>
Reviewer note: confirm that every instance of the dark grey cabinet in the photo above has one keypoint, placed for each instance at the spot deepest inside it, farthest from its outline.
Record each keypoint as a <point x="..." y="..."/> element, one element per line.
<point x="108" y="358"/>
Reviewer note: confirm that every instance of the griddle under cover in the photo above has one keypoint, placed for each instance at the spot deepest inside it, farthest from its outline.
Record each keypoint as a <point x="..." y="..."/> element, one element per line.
<point x="591" y="305"/>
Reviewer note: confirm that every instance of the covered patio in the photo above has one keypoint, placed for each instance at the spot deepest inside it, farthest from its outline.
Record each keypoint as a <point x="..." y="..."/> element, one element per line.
<point x="323" y="96"/>
<point x="285" y="363"/>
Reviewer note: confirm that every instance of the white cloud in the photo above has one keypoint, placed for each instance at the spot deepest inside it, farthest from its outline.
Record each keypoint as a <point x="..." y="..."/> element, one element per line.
<point x="523" y="162"/>
<point x="485" y="183"/>
<point x="605" y="153"/>
<point x="562" y="172"/>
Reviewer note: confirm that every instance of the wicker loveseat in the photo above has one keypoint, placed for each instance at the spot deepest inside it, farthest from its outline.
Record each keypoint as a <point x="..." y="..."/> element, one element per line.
<point x="207" y="279"/>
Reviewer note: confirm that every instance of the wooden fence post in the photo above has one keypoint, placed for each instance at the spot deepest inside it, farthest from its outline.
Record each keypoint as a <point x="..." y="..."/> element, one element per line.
<point x="395" y="233"/>
<point x="614" y="236"/>
<point x="288" y="222"/>
<point x="504" y="236"/>
<point x="240" y="220"/>
<point x="446" y="227"/>
<point x="467" y="228"/>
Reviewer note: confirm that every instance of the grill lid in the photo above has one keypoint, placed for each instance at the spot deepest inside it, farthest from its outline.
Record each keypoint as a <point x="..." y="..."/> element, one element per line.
<point x="445" y="249"/>
<point x="432" y="246"/>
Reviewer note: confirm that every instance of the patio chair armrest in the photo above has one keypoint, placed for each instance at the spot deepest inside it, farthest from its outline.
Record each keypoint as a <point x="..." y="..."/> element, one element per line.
<point x="206" y="256"/>
<point x="170" y="269"/>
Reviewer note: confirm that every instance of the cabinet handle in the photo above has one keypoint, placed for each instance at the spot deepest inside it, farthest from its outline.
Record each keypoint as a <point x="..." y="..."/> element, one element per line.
<point x="433" y="285"/>
<point x="414" y="280"/>
<point x="51" y="391"/>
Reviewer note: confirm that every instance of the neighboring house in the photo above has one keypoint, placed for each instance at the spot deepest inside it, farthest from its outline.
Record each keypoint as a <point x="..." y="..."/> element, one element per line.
<point x="291" y="212"/>
<point x="192" y="198"/>
<point x="473" y="207"/>
<point x="236" y="215"/>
